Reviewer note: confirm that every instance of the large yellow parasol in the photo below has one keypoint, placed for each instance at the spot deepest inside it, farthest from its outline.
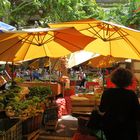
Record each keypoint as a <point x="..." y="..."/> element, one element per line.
<point x="112" y="39"/>
<point x="104" y="61"/>
<point x="36" y="43"/>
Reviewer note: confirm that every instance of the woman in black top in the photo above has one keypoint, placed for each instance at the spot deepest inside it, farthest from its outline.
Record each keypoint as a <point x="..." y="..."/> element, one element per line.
<point x="120" y="107"/>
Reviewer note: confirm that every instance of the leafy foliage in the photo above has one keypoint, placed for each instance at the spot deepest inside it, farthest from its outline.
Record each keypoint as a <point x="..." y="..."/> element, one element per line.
<point x="5" y="6"/>
<point x="11" y="95"/>
<point x="41" y="92"/>
<point x="29" y="106"/>
<point x="40" y="12"/>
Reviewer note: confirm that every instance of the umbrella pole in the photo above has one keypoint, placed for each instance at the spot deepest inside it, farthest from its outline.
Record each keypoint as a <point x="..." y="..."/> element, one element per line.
<point x="103" y="77"/>
<point x="50" y="72"/>
<point x="12" y="78"/>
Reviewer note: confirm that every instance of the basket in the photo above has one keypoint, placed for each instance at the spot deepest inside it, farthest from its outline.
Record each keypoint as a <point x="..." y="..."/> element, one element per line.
<point x="10" y="129"/>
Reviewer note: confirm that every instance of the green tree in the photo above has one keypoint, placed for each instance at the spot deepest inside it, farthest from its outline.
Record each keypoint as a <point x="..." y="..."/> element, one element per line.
<point x="133" y="17"/>
<point x="26" y="12"/>
<point x="5" y="10"/>
<point x="40" y="12"/>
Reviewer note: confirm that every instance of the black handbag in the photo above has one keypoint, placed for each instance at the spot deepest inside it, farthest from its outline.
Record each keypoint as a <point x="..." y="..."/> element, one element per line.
<point x="95" y="124"/>
<point x="95" y="121"/>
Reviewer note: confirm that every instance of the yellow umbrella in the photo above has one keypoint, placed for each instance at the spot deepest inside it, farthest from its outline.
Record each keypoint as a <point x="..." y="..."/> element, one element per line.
<point x="36" y="43"/>
<point x="112" y="39"/>
<point x="103" y="61"/>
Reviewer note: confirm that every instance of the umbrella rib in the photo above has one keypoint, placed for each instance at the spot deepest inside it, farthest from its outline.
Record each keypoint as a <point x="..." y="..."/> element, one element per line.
<point x="96" y="32"/>
<point x="28" y="46"/>
<point x="45" y="42"/>
<point x="92" y="27"/>
<point x="13" y="44"/>
<point x="123" y="36"/>
<point x="25" y="39"/>
<point x="110" y="35"/>
<point x="120" y="32"/>
<point x="37" y="39"/>
<point x="31" y="42"/>
<point x="103" y="38"/>
<point x="45" y="50"/>
<point x="10" y="47"/>
<point x="105" y="32"/>
<point x="131" y="44"/>
<point x="50" y="39"/>
<point x="43" y="39"/>
<point x="41" y="42"/>
<point x="116" y="31"/>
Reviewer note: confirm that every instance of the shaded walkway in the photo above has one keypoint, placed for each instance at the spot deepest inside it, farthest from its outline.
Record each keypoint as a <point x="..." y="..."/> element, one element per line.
<point x="66" y="128"/>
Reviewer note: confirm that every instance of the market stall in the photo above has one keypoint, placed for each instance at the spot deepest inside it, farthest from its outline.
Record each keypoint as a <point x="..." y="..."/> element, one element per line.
<point x="55" y="87"/>
<point x="23" y="109"/>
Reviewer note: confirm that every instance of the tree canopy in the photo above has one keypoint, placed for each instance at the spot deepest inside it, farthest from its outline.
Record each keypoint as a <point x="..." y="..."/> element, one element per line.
<point x="23" y="13"/>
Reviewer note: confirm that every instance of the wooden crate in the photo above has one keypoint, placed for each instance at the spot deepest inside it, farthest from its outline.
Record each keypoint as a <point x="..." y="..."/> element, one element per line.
<point x="83" y="103"/>
<point x="82" y="109"/>
<point x="14" y="132"/>
<point x="31" y="124"/>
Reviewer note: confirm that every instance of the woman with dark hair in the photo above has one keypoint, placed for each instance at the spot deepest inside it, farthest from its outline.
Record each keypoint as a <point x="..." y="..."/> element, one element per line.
<point x="120" y="107"/>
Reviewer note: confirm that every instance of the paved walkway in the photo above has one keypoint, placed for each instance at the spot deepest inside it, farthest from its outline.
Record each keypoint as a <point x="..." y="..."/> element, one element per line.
<point x="66" y="128"/>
